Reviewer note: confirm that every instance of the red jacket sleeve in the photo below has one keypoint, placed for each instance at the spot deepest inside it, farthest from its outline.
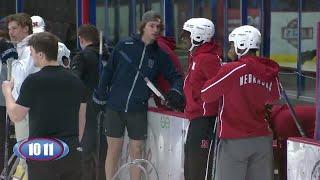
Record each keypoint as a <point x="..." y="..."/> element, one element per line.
<point x="222" y="83"/>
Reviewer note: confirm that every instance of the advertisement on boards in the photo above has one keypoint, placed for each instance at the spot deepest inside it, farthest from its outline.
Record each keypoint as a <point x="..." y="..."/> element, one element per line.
<point x="284" y="39"/>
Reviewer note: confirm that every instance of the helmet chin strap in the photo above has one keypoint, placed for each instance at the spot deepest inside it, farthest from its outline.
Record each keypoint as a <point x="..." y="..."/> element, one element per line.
<point x="192" y="47"/>
<point x="241" y="54"/>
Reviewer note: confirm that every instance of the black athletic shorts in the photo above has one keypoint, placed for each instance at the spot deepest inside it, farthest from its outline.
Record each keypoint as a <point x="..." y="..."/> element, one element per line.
<point x="136" y="123"/>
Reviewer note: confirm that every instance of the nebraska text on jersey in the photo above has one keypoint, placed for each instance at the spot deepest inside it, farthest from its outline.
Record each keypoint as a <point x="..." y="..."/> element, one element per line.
<point x="251" y="79"/>
<point x="244" y="87"/>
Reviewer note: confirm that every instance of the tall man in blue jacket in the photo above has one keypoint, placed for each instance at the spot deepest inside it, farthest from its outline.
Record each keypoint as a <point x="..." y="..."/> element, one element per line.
<point x="125" y="92"/>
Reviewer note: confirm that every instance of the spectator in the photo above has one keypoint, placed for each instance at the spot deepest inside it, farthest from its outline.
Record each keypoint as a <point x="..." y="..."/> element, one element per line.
<point x="85" y="65"/>
<point x="20" y="31"/>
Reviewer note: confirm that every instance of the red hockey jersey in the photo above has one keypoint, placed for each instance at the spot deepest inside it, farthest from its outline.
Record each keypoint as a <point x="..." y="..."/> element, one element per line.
<point x="245" y="87"/>
<point x="204" y="64"/>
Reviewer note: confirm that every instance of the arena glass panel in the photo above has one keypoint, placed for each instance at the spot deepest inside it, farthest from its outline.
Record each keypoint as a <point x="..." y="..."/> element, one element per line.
<point x="180" y="13"/>
<point x="309" y="19"/>
<point x="281" y="51"/>
<point x="233" y="21"/>
<point x="59" y="16"/>
<point x="114" y="23"/>
<point x="101" y="18"/>
<point x="284" y="45"/>
<point x="156" y="6"/>
<point x="7" y="7"/>
<point x="118" y="26"/>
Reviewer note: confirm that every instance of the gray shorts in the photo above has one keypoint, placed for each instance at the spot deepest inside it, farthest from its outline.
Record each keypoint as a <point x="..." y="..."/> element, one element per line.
<point x="245" y="159"/>
<point x="136" y="123"/>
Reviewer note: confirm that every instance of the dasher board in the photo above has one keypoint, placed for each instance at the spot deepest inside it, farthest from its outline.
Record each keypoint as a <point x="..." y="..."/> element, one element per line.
<point x="303" y="159"/>
<point x="164" y="146"/>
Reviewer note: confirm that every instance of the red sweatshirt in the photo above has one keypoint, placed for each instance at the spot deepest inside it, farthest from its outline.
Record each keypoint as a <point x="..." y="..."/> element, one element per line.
<point x="245" y="87"/>
<point x="283" y="124"/>
<point x="204" y="64"/>
<point x="167" y="44"/>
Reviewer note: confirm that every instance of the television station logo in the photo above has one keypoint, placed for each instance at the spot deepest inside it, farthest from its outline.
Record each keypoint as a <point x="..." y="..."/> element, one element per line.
<point x="41" y="149"/>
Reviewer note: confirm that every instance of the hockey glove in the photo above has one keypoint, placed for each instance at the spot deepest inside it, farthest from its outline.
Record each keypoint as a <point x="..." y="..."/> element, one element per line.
<point x="175" y="100"/>
<point x="7" y="51"/>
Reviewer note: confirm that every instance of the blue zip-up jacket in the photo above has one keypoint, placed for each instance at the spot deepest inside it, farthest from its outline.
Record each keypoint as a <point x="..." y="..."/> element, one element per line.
<point x="122" y="87"/>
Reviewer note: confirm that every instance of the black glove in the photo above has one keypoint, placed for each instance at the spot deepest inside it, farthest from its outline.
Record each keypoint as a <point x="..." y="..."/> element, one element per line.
<point x="175" y="100"/>
<point x="7" y="51"/>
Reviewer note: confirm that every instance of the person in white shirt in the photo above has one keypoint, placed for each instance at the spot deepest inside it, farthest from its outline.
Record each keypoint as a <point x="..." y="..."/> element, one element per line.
<point x="20" y="31"/>
<point x="38" y="26"/>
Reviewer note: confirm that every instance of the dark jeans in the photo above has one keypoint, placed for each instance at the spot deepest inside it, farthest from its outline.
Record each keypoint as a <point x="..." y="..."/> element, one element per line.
<point x="200" y="136"/>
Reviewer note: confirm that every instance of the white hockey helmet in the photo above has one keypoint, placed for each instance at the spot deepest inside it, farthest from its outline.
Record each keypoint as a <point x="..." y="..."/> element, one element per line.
<point x="38" y="24"/>
<point x="63" y="55"/>
<point x="245" y="38"/>
<point x="201" y="31"/>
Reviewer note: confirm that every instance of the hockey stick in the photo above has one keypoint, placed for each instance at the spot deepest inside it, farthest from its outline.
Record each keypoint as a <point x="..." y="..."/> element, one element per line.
<point x="12" y="165"/>
<point x="13" y="169"/>
<point x="100" y="114"/>
<point x="215" y="150"/>
<point x="100" y="66"/>
<point x="7" y="127"/>
<point x="98" y="140"/>
<point x="150" y="85"/>
<point x="292" y="112"/>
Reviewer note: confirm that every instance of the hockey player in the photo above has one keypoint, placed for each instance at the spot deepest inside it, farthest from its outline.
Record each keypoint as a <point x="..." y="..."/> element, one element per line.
<point x="85" y="65"/>
<point x="38" y="25"/>
<point x="204" y="63"/>
<point x="245" y="86"/>
<point x="126" y="93"/>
